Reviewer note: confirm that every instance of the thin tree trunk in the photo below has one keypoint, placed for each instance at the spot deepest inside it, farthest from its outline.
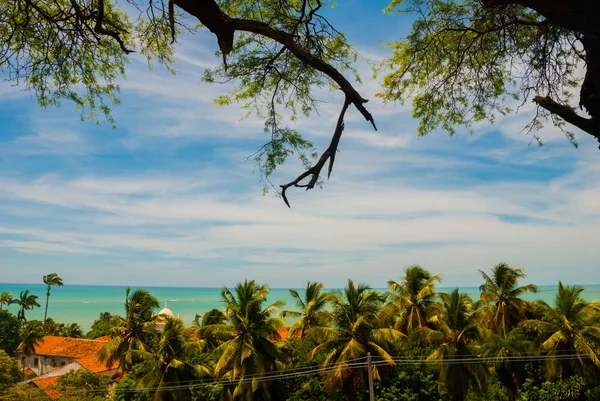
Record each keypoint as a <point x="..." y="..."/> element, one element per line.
<point x="349" y="390"/>
<point x="47" y="297"/>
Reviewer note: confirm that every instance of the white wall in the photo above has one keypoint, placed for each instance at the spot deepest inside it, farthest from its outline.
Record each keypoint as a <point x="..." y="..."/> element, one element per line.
<point x="44" y="365"/>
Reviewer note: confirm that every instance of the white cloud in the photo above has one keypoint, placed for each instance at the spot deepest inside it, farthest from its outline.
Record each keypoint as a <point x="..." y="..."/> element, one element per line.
<point x="382" y="224"/>
<point x="393" y="199"/>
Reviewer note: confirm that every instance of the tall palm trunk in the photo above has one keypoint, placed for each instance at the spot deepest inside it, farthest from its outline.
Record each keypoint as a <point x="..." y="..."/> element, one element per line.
<point x="46" y="310"/>
<point x="348" y="389"/>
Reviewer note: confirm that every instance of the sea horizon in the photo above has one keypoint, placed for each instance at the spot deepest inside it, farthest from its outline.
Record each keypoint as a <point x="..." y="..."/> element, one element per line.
<point x="83" y="303"/>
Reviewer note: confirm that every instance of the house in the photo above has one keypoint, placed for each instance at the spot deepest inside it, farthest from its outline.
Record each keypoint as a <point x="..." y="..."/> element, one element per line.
<point x="54" y="356"/>
<point x="48" y="381"/>
<point x="55" y="352"/>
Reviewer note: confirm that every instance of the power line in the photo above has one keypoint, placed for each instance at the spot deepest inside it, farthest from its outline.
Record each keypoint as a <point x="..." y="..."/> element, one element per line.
<point x="357" y="363"/>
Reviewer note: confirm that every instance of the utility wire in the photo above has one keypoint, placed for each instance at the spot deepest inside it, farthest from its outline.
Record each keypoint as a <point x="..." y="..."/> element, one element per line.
<point x="352" y="364"/>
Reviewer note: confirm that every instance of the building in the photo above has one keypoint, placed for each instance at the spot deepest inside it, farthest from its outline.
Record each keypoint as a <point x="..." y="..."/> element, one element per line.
<point x="56" y="352"/>
<point x="54" y="356"/>
<point x="162" y="316"/>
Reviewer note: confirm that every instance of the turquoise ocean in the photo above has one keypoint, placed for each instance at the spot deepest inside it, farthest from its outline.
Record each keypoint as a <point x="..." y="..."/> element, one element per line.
<point x="84" y="303"/>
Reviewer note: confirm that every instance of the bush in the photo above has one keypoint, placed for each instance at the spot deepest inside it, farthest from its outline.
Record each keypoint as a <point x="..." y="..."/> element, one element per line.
<point x="9" y="371"/>
<point x="411" y="383"/>
<point x="571" y="389"/>
<point x="9" y="332"/>
<point x="83" y="385"/>
<point x="23" y="393"/>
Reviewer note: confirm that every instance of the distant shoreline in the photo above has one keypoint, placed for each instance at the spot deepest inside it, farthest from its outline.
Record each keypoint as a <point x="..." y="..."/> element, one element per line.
<point x="273" y="288"/>
<point x="82" y="304"/>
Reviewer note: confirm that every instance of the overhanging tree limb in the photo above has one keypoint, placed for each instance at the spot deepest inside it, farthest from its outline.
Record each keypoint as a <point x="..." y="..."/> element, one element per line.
<point x="218" y="22"/>
<point x="568" y="114"/>
<point x="209" y="14"/>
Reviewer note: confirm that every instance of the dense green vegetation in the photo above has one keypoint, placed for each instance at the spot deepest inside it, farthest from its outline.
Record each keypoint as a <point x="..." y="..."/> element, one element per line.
<point x="420" y="344"/>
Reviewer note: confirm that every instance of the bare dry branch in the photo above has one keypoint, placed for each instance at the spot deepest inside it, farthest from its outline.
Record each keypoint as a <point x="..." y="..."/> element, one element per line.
<point x="328" y="154"/>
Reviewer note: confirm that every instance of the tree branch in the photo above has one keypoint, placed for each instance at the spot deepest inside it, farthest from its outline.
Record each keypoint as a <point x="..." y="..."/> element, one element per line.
<point x="288" y="41"/>
<point x="99" y="28"/>
<point x="588" y="125"/>
<point x="209" y="14"/>
<point x="566" y="13"/>
<point x="328" y="154"/>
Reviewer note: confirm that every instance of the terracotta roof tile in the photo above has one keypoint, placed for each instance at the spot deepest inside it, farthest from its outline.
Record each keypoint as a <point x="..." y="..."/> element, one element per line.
<point x="46" y="384"/>
<point x="85" y="352"/>
<point x="284" y="331"/>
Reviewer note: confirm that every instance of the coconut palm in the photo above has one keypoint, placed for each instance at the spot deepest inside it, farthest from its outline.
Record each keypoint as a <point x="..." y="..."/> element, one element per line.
<point x="412" y="297"/>
<point x="26" y="302"/>
<point x="248" y="348"/>
<point x="571" y="328"/>
<point x="51" y="280"/>
<point x="312" y="309"/>
<point x="103" y="326"/>
<point x="6" y="299"/>
<point x="51" y="328"/>
<point x="500" y="294"/>
<point x="32" y="334"/>
<point x="356" y="330"/>
<point x="501" y="350"/>
<point x="213" y="316"/>
<point x="73" y="330"/>
<point x="454" y="334"/>
<point x="132" y="333"/>
<point x="202" y="323"/>
<point x="169" y="365"/>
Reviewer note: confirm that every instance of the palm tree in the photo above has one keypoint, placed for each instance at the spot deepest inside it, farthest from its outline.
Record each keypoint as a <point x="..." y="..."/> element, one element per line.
<point x="454" y="334"/>
<point x="132" y="333"/>
<point x="6" y="299"/>
<point x="569" y="328"/>
<point x="412" y="297"/>
<point x="500" y="293"/>
<point x="170" y="365"/>
<point x="32" y="334"/>
<point x="51" y="328"/>
<point x="501" y="350"/>
<point x="103" y="326"/>
<point x="356" y="330"/>
<point x="26" y="301"/>
<point x="73" y="330"/>
<point x="51" y="280"/>
<point x="211" y="318"/>
<point x="248" y="350"/>
<point x="312" y="309"/>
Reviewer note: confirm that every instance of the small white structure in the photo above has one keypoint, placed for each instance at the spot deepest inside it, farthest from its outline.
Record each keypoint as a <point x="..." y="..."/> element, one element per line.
<point x="163" y="315"/>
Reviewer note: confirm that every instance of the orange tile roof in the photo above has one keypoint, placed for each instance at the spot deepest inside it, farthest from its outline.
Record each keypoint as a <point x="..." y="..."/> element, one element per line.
<point x="284" y="331"/>
<point x="85" y="352"/>
<point x="46" y="385"/>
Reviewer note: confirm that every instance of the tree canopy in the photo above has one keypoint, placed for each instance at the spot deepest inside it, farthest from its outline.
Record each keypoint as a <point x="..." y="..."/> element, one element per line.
<point x="464" y="61"/>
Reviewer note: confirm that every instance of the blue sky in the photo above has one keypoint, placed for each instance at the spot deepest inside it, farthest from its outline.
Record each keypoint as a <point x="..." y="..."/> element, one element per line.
<point x="167" y="198"/>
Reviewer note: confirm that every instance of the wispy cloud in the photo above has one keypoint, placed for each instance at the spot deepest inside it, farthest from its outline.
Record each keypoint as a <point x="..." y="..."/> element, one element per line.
<point x="169" y="190"/>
